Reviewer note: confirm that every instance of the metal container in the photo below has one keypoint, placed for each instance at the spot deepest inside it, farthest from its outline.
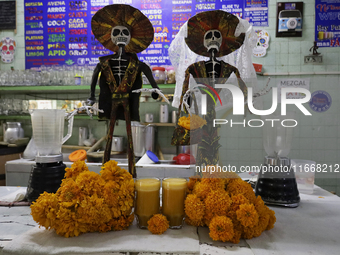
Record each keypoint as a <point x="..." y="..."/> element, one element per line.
<point x="150" y="138"/>
<point x="13" y="131"/>
<point x="83" y="135"/>
<point x="163" y="113"/>
<point x="143" y="137"/>
<point x="174" y="117"/>
<point x="117" y="143"/>
<point x="138" y="138"/>
<point x="149" y="117"/>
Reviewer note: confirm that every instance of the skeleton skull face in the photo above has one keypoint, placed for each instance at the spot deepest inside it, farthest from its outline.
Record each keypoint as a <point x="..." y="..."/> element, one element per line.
<point x="213" y="39"/>
<point x="7" y="48"/>
<point x="120" y="35"/>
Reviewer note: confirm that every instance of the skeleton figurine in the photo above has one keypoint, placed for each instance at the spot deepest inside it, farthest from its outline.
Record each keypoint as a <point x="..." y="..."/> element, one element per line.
<point x="215" y="29"/>
<point x="126" y="31"/>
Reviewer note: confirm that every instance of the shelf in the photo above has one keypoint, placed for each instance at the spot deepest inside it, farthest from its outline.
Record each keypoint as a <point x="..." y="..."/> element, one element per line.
<point x="161" y="124"/>
<point x="28" y="117"/>
<point x="62" y="89"/>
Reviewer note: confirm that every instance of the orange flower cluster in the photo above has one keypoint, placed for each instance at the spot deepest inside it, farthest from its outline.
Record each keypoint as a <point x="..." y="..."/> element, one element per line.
<point x="228" y="206"/>
<point x="87" y="201"/>
<point x="191" y="122"/>
<point x="158" y="224"/>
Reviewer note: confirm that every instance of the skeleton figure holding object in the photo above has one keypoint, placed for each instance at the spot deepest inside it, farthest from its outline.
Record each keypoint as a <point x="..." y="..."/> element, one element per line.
<point x="216" y="31"/>
<point x="126" y="31"/>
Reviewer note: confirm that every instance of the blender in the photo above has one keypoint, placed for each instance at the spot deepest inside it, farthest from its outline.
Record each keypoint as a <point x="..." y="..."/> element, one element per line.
<point x="48" y="131"/>
<point x="276" y="182"/>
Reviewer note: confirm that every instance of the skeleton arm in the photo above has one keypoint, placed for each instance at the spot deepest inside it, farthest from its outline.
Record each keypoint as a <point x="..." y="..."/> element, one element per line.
<point x="263" y="91"/>
<point x="92" y="99"/>
<point x="148" y="73"/>
<point x="80" y="109"/>
<point x="156" y="91"/>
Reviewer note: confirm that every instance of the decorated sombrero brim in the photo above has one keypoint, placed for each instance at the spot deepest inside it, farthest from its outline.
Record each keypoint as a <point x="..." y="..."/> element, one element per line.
<point x="223" y="21"/>
<point x="113" y="15"/>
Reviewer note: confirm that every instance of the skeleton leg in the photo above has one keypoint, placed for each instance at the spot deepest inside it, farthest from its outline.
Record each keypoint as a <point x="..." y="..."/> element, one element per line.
<point x="131" y="154"/>
<point x="107" y="152"/>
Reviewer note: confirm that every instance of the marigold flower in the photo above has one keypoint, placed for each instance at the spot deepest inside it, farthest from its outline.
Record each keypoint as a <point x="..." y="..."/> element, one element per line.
<point x="247" y="215"/>
<point x="238" y="186"/>
<point x="194" y="209"/>
<point x="190" y="222"/>
<point x="272" y="219"/>
<point x="158" y="224"/>
<point x="201" y="190"/>
<point x="87" y="202"/>
<point x="191" y="183"/>
<point x="214" y="183"/>
<point x="90" y="183"/>
<point x="44" y="210"/>
<point x="217" y="202"/>
<point x="191" y="122"/>
<point x="75" y="169"/>
<point x="221" y="229"/>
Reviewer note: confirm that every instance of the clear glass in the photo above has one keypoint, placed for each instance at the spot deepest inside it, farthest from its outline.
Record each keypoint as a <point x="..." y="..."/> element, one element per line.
<point x="147" y="200"/>
<point x="173" y="196"/>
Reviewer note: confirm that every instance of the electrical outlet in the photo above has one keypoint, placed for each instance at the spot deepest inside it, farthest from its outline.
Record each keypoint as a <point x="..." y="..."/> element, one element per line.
<point x="311" y="59"/>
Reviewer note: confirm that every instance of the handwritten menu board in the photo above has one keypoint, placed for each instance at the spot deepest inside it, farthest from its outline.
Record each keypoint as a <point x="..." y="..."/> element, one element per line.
<point x="7" y="15"/>
<point x="327" y="23"/>
<point x="59" y="32"/>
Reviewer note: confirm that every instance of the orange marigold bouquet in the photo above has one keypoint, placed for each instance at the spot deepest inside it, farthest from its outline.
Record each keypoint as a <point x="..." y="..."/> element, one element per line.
<point x="191" y="122"/>
<point x="87" y="201"/>
<point x="228" y="206"/>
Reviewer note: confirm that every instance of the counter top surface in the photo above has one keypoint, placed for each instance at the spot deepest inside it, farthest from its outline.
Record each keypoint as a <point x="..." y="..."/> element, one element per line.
<point x="311" y="228"/>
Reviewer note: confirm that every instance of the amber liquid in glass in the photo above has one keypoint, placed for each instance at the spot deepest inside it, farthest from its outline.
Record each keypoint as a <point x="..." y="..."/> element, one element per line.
<point x="173" y="196"/>
<point x="147" y="200"/>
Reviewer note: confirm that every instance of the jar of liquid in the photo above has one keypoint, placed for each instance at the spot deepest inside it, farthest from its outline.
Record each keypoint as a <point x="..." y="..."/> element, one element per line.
<point x="159" y="74"/>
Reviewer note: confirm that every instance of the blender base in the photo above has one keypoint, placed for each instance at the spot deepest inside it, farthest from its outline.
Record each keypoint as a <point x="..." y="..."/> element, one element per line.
<point x="44" y="177"/>
<point x="278" y="187"/>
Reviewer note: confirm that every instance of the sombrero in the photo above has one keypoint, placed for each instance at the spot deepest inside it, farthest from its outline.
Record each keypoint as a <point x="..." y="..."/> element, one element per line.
<point x="122" y="15"/>
<point x="225" y="22"/>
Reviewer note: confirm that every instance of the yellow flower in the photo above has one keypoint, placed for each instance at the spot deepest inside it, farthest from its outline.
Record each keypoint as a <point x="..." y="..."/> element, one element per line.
<point x="44" y="210"/>
<point x="87" y="202"/>
<point x="158" y="224"/>
<point x="191" y="183"/>
<point x="76" y="168"/>
<point x="247" y="215"/>
<point x="194" y="209"/>
<point x="272" y="219"/>
<point x="191" y="122"/>
<point x="238" y="186"/>
<point x="221" y="229"/>
<point x="90" y="183"/>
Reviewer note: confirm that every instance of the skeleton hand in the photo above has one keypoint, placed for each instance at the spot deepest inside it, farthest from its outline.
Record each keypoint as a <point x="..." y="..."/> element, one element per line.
<point x="80" y="109"/>
<point x="263" y="91"/>
<point x="91" y="101"/>
<point x="187" y="98"/>
<point x="153" y="91"/>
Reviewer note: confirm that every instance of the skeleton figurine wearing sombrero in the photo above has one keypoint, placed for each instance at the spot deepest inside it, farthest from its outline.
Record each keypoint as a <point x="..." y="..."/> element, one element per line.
<point x="126" y="31"/>
<point x="216" y="32"/>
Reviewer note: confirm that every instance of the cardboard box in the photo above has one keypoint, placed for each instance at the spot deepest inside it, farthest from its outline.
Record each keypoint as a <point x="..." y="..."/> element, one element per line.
<point x="3" y="160"/>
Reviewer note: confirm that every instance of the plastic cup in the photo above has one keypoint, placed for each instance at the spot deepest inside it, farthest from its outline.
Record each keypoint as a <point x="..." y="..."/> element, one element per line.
<point x="304" y="174"/>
